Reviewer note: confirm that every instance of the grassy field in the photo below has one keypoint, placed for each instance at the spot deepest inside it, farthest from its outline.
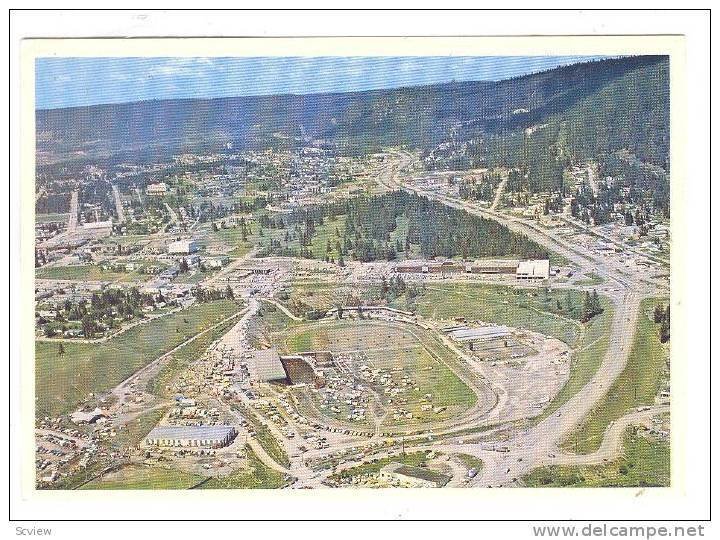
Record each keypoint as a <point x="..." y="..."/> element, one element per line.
<point x="646" y="462"/>
<point x="535" y="310"/>
<point x="590" y="280"/>
<point x="269" y="320"/>
<point x="256" y="476"/>
<point x="271" y="445"/>
<point x="323" y="296"/>
<point x="471" y="462"/>
<point x="142" y="477"/>
<point x="126" y="240"/>
<point x="48" y="218"/>
<point x="328" y="231"/>
<point x="637" y="385"/>
<point x="62" y="382"/>
<point x="413" y="353"/>
<point x="416" y="459"/>
<point x="87" y="272"/>
<point x="225" y="240"/>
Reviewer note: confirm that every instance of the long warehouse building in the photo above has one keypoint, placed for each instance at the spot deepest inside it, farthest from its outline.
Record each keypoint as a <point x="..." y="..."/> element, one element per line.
<point x="192" y="436"/>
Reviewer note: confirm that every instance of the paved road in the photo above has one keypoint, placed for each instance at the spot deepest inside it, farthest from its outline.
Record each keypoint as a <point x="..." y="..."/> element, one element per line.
<point x="118" y="204"/>
<point x="499" y="192"/>
<point x="73" y="217"/>
<point x="282" y="308"/>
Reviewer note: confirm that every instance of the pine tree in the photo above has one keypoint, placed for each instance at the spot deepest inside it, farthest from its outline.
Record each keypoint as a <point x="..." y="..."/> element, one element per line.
<point x="569" y="303"/>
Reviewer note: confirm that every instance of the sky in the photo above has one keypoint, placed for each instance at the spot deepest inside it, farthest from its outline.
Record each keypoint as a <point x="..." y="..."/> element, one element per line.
<point x="71" y="82"/>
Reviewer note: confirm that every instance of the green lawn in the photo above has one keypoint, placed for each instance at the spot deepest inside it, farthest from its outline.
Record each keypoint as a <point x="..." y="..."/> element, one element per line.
<point x="271" y="445"/>
<point x="62" y="382"/>
<point x="126" y="240"/>
<point x="265" y="438"/>
<point x="256" y="476"/>
<point x="590" y="280"/>
<point x="135" y="430"/>
<point x="227" y="240"/>
<point x="183" y="357"/>
<point x="143" y="477"/>
<point x="328" y="231"/>
<point x="645" y="463"/>
<point x="324" y="296"/>
<point x="268" y="321"/>
<point x="637" y="385"/>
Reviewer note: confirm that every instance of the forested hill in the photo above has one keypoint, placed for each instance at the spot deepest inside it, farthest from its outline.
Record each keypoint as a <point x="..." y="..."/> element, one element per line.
<point x="593" y="94"/>
<point x="394" y="225"/>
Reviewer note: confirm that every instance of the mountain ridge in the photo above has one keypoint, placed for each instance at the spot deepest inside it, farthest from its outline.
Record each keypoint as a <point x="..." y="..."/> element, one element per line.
<point x="416" y="116"/>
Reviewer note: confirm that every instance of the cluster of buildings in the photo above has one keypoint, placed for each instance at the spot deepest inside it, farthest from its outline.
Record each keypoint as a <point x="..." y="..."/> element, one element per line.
<point x="537" y="269"/>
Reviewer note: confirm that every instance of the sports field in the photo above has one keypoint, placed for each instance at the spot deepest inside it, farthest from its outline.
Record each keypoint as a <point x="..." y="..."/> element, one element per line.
<point x="406" y="363"/>
<point x="62" y="381"/>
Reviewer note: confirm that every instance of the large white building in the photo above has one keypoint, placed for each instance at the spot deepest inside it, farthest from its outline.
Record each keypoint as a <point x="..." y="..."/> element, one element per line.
<point x="533" y="269"/>
<point x="192" y="436"/>
<point x="156" y="189"/>
<point x="182" y="247"/>
<point x="98" y="225"/>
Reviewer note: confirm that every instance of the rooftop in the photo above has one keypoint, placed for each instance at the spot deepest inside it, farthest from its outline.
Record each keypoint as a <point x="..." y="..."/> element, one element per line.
<point x="267" y="365"/>
<point x="539" y="267"/>
<point x="486" y="332"/>
<point x="190" y="432"/>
